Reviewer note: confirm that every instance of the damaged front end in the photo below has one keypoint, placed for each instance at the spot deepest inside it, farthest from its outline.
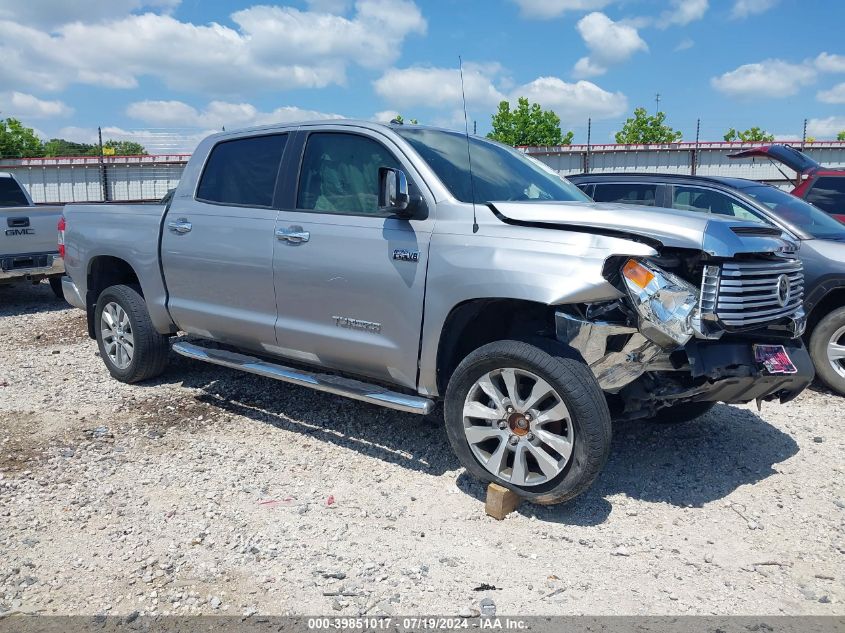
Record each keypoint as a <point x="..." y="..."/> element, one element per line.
<point x="692" y="326"/>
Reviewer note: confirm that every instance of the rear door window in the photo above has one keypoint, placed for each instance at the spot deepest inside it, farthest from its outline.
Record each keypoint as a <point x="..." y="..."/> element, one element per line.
<point x="11" y="194"/>
<point x="828" y="194"/>
<point x="243" y="171"/>
<point x="710" y="201"/>
<point x="626" y="193"/>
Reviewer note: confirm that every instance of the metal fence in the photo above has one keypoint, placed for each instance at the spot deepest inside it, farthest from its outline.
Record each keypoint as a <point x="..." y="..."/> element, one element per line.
<point x="703" y="159"/>
<point x="92" y="179"/>
<point x="148" y="178"/>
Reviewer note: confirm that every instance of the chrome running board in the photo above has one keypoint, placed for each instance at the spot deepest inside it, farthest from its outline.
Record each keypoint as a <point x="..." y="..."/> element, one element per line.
<point x="329" y="383"/>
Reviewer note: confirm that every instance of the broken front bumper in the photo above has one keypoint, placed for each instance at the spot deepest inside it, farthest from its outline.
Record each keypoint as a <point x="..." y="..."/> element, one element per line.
<point x="710" y="371"/>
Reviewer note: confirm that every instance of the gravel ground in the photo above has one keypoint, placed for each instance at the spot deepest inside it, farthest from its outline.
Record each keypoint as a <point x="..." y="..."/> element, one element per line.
<point x="211" y="491"/>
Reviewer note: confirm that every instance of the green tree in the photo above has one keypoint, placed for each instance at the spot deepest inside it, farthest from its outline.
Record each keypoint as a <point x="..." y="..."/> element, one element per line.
<point x="18" y="141"/>
<point x="643" y="129"/>
<point x="398" y="118"/>
<point x="750" y="135"/>
<point x="118" y="148"/>
<point x="841" y="136"/>
<point x="62" y="147"/>
<point x="527" y="124"/>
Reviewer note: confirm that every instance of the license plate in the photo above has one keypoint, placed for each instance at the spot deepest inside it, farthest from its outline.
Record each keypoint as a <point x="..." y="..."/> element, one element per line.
<point x="774" y="358"/>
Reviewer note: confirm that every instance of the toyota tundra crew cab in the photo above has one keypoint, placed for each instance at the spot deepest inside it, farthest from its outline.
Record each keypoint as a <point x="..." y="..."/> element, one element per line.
<point x="28" y="249"/>
<point x="402" y="265"/>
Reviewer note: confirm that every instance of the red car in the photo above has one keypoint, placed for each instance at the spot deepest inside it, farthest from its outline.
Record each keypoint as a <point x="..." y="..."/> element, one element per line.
<point x="821" y="186"/>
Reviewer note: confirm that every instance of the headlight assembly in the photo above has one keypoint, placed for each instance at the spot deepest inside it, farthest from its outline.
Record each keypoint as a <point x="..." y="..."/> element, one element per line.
<point x="665" y="302"/>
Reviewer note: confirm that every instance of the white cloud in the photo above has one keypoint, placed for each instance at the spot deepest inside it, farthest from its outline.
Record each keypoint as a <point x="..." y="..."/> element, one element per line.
<point x="217" y="114"/>
<point x="51" y="13"/>
<point x="544" y="9"/>
<point x="409" y="89"/>
<point x="685" y="44"/>
<point x="26" y="106"/>
<point x="826" y="128"/>
<point x="828" y="63"/>
<point x="683" y="12"/>
<point x="609" y="42"/>
<point x="573" y="102"/>
<point x="771" y="78"/>
<point x="834" y="95"/>
<point x="744" y="8"/>
<point x="439" y="87"/>
<point x="329" y="6"/>
<point x="272" y="48"/>
<point x="385" y="116"/>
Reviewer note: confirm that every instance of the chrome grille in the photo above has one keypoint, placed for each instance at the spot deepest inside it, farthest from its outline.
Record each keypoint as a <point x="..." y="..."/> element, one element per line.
<point x="755" y="292"/>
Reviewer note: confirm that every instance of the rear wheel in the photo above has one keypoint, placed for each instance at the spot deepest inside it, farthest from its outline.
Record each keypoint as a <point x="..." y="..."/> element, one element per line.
<point x="56" y="287"/>
<point x="534" y="423"/>
<point x="680" y="413"/>
<point x="130" y="346"/>
<point x="827" y="349"/>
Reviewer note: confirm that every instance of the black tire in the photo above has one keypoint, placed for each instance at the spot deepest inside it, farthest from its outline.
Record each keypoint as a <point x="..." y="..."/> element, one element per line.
<point x="151" y="349"/>
<point x="574" y="384"/>
<point x="680" y="413"/>
<point x="822" y="335"/>
<point x="56" y="287"/>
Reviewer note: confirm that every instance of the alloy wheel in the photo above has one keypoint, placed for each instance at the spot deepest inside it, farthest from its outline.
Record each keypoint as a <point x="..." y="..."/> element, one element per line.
<point x="518" y="426"/>
<point x="836" y="351"/>
<point x="118" y="339"/>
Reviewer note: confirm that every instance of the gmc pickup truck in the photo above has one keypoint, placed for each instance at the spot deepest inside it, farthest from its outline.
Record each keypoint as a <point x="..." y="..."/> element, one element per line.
<point x="402" y="265"/>
<point x="28" y="242"/>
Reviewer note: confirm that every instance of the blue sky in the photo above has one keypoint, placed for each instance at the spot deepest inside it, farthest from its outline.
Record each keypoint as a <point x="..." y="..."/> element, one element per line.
<point x="183" y="68"/>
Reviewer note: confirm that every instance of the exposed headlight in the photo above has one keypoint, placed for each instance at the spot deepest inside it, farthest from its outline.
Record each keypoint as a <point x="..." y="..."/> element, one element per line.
<point x="665" y="302"/>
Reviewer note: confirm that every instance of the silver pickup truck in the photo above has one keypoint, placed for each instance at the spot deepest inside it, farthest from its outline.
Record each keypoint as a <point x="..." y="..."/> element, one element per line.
<point x="402" y="265"/>
<point x="28" y="237"/>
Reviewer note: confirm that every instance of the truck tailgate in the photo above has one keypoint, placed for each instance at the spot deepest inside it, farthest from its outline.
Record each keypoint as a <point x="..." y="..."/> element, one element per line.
<point x="28" y="230"/>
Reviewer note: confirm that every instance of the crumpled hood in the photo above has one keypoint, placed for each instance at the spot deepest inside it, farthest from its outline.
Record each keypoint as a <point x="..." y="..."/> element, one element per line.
<point x="716" y="235"/>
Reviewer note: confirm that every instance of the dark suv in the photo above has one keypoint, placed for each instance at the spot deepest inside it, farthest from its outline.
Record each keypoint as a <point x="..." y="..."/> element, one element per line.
<point x="822" y="242"/>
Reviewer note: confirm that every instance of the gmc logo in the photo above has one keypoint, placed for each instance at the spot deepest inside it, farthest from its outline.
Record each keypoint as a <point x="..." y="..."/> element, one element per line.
<point x="14" y="232"/>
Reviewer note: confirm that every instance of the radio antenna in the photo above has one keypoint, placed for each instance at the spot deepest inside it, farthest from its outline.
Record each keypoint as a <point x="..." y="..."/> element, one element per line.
<point x="469" y="155"/>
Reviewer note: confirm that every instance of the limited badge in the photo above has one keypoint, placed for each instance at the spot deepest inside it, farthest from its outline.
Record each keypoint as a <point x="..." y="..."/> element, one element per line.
<point x="774" y="358"/>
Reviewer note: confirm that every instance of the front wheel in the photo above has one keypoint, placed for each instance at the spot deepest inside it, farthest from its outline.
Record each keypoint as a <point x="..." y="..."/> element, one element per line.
<point x="534" y="423"/>
<point x="130" y="346"/>
<point x="827" y="349"/>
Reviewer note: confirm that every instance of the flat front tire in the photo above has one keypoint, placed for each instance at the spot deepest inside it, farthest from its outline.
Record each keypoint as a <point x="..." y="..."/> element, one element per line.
<point x="827" y="349"/>
<point x="532" y="422"/>
<point x="130" y="346"/>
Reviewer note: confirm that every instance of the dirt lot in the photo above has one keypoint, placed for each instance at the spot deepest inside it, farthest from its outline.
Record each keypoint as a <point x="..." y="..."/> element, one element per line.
<point x="211" y="491"/>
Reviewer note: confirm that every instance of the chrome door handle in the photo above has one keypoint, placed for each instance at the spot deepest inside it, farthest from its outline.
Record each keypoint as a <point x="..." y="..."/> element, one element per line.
<point x="180" y="226"/>
<point x="293" y="234"/>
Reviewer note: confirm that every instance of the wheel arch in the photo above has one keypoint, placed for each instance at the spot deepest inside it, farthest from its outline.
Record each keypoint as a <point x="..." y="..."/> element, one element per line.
<point x="823" y="300"/>
<point x="477" y="322"/>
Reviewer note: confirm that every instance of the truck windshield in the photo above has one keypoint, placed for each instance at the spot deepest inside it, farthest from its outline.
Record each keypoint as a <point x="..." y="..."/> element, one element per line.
<point x="800" y="214"/>
<point x="498" y="172"/>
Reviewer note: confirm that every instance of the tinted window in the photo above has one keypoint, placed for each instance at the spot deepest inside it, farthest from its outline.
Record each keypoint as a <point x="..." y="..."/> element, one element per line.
<point x="11" y="194"/>
<point x="828" y="194"/>
<point x="243" y="171"/>
<point x="340" y="174"/>
<point x="499" y="173"/>
<point x="627" y="193"/>
<point x="797" y="212"/>
<point x="709" y="201"/>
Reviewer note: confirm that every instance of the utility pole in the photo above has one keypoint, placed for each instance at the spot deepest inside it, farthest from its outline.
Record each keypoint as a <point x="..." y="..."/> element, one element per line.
<point x="589" y="139"/>
<point x="103" y="180"/>
<point x="657" y="103"/>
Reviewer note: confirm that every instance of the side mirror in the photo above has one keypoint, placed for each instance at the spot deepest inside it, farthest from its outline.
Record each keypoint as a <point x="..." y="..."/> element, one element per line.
<point x="393" y="195"/>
